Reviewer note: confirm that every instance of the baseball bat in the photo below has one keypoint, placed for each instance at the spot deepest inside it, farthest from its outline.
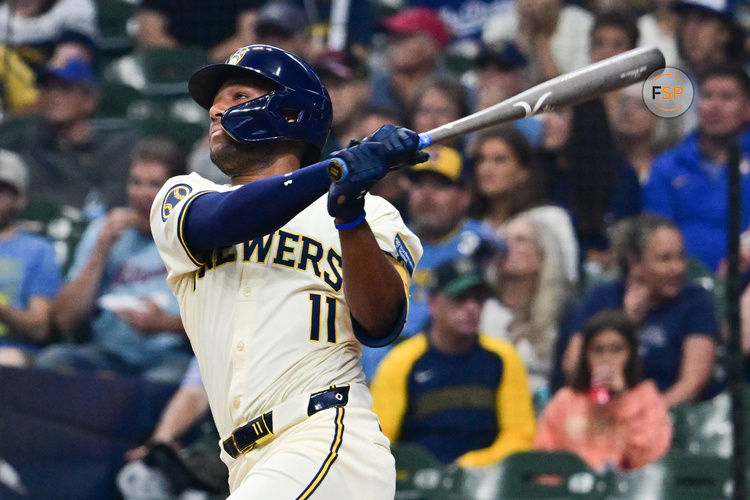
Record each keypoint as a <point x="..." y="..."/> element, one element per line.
<point x="571" y="88"/>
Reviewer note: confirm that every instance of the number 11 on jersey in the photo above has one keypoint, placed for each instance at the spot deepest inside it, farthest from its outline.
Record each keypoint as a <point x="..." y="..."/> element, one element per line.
<point x="316" y="302"/>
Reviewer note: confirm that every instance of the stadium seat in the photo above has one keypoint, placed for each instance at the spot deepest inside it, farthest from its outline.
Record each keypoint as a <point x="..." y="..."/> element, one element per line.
<point x="115" y="18"/>
<point x="420" y="476"/>
<point x="157" y="71"/>
<point x="640" y="484"/>
<point x="703" y="428"/>
<point x="677" y="476"/>
<point x="694" y="476"/>
<point x="185" y="134"/>
<point x="539" y="474"/>
<point x="118" y="100"/>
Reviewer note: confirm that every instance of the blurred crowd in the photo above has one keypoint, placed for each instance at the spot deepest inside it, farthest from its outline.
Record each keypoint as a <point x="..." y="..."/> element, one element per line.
<point x="572" y="285"/>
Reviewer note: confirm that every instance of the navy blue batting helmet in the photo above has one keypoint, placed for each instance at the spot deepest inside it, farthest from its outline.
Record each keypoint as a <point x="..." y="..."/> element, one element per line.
<point x="298" y="109"/>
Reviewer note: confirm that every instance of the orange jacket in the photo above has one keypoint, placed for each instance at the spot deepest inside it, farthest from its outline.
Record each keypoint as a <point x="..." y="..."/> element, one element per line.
<point x="630" y="431"/>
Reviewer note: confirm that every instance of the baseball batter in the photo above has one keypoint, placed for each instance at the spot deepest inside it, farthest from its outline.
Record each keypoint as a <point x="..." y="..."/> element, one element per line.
<point x="280" y="284"/>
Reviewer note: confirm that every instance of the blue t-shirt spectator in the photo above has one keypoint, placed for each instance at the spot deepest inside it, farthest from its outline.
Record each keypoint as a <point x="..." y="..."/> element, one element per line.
<point x="459" y="243"/>
<point x="664" y="328"/>
<point x="27" y="269"/>
<point x="134" y="270"/>
<point x="688" y="188"/>
<point x="134" y="274"/>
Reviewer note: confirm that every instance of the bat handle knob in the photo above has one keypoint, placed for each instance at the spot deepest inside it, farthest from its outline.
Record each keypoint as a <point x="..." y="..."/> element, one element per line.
<point x="424" y="140"/>
<point x="337" y="169"/>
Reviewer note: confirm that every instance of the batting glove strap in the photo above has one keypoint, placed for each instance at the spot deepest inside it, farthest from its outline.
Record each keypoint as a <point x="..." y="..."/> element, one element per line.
<point x="350" y="225"/>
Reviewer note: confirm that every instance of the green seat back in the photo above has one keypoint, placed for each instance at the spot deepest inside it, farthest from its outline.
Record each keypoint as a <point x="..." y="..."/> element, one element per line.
<point x="677" y="476"/>
<point x="539" y="474"/>
<point x="703" y="428"/>
<point x="183" y="133"/>
<point x="157" y="71"/>
<point x="687" y="477"/>
<point x="421" y="476"/>
<point x="113" y="19"/>
<point x="117" y="100"/>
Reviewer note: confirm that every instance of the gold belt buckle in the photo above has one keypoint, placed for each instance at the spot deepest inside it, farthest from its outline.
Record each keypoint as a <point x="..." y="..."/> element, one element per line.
<point x="259" y="440"/>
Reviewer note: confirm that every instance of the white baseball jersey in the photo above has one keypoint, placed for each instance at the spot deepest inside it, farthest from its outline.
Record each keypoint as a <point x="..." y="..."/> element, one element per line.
<point x="267" y="318"/>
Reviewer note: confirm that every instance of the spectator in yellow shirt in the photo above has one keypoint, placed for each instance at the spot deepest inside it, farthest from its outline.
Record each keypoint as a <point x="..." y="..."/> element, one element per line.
<point x="461" y="395"/>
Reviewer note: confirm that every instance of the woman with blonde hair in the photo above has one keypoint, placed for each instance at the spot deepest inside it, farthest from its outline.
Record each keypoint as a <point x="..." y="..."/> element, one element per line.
<point x="530" y="291"/>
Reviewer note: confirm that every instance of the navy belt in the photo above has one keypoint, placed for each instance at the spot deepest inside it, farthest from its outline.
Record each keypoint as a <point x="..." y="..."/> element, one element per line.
<point x="245" y="437"/>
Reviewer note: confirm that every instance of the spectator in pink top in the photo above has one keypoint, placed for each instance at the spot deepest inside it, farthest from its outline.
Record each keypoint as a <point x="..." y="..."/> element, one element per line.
<point x="609" y="417"/>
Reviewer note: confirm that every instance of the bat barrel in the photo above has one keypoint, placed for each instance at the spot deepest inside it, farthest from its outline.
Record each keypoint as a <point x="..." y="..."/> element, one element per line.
<point x="565" y="90"/>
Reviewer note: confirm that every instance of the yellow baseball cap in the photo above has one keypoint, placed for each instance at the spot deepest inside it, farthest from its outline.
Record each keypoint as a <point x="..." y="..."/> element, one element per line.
<point x="444" y="161"/>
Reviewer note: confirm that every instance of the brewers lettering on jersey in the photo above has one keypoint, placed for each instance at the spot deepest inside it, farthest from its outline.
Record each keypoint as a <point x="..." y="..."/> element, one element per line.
<point x="282" y="276"/>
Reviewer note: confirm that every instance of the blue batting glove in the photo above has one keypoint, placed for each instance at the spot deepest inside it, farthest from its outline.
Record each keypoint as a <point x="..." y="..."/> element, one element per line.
<point x="401" y="145"/>
<point x="365" y="165"/>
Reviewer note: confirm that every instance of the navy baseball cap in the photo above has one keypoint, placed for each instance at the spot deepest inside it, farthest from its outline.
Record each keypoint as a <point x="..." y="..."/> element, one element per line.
<point x="280" y="18"/>
<point x="74" y="71"/>
<point x="504" y="56"/>
<point x="455" y="277"/>
<point x="720" y="8"/>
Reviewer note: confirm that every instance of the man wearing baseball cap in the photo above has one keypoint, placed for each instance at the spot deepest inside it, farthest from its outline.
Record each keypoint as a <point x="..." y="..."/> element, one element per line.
<point x="437" y="203"/>
<point x="460" y="394"/>
<point x="76" y="168"/>
<point x="30" y="277"/>
<point x="416" y="38"/>
<point x="708" y="34"/>
<point x="285" y="25"/>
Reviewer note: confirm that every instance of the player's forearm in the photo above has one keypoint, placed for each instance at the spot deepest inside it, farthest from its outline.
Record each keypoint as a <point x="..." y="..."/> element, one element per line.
<point x="216" y="220"/>
<point x="374" y="290"/>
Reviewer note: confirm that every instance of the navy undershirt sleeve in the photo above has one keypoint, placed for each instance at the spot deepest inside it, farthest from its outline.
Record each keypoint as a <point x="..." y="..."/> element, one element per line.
<point x="216" y="220"/>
